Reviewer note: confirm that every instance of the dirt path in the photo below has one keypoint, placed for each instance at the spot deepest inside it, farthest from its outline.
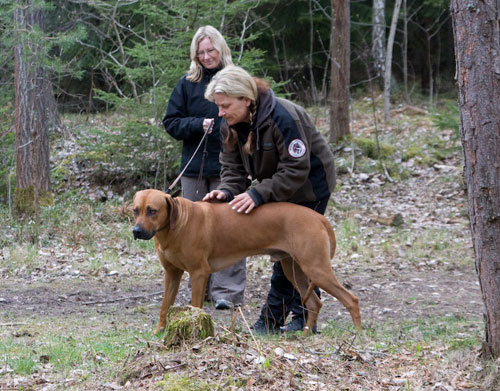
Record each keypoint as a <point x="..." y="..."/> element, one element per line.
<point x="389" y="283"/>
<point x="398" y="295"/>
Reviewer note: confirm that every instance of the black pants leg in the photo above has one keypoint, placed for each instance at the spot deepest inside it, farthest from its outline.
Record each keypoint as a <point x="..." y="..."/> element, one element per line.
<point x="283" y="298"/>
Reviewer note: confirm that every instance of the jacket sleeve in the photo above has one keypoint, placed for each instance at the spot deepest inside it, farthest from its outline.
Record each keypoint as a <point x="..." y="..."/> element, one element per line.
<point x="234" y="176"/>
<point x="177" y="121"/>
<point x="293" y="143"/>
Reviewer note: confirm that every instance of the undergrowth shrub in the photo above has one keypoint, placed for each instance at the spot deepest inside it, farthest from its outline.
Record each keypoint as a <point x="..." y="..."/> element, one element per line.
<point x="7" y="145"/>
<point x="447" y="118"/>
<point x="131" y="155"/>
<point x="370" y="148"/>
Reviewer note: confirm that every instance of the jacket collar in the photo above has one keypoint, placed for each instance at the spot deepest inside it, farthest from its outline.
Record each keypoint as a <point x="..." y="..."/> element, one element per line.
<point x="210" y="72"/>
<point x="265" y="106"/>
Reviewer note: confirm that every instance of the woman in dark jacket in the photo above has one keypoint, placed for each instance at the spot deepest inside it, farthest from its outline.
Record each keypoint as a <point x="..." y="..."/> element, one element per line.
<point x="188" y="116"/>
<point x="274" y="142"/>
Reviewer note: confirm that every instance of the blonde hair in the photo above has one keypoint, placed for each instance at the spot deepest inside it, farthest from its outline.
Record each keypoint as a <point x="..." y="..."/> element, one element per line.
<point x="195" y="73"/>
<point x="232" y="81"/>
<point x="235" y="82"/>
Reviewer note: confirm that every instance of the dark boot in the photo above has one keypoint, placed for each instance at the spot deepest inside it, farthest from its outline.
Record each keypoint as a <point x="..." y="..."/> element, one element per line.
<point x="297" y="324"/>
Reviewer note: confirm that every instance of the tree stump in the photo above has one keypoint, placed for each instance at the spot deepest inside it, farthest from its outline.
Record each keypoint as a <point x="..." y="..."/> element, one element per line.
<point x="185" y="324"/>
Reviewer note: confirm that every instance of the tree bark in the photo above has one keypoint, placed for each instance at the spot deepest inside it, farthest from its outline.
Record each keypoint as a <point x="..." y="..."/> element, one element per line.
<point x="477" y="48"/>
<point x="340" y="70"/>
<point x="36" y="112"/>
<point x="405" y="51"/>
<point x="378" y="38"/>
<point x="388" y="61"/>
<point x="314" y="92"/>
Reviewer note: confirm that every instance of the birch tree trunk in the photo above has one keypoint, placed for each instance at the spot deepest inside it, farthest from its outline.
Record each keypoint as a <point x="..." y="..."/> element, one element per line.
<point x="378" y="38"/>
<point x="314" y="92"/>
<point x="388" y="61"/>
<point x="405" y="51"/>
<point x="477" y="48"/>
<point x="340" y="70"/>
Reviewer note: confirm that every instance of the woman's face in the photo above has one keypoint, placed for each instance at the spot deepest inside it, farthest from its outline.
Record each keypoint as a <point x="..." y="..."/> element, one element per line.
<point x="208" y="56"/>
<point x="233" y="110"/>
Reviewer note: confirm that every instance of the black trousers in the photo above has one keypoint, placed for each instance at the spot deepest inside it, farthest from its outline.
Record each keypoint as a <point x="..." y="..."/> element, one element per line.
<point x="283" y="298"/>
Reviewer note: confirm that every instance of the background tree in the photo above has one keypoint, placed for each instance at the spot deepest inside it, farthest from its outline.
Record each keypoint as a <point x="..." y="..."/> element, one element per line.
<point x="378" y="38"/>
<point x="36" y="109"/>
<point x="430" y="19"/>
<point x="340" y="70"/>
<point x="125" y="56"/>
<point x="477" y="44"/>
<point x="388" y="60"/>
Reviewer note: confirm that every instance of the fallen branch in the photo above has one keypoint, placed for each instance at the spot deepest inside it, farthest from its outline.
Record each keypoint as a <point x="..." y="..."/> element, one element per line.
<point x="12" y="324"/>
<point x="393" y="221"/>
<point x="121" y="299"/>
<point x="415" y="109"/>
<point x="259" y="349"/>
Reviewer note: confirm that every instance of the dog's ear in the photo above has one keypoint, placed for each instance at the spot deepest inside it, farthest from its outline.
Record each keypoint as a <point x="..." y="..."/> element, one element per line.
<point x="173" y="211"/>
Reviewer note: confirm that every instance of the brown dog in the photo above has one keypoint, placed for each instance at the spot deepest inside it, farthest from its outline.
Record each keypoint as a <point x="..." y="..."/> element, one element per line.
<point x="203" y="237"/>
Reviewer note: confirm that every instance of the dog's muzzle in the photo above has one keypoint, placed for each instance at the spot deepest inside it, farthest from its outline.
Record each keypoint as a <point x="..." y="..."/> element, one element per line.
<point x="140" y="233"/>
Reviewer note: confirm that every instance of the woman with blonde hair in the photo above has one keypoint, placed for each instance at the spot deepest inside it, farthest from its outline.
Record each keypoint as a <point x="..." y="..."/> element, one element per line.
<point x="271" y="152"/>
<point x="189" y="115"/>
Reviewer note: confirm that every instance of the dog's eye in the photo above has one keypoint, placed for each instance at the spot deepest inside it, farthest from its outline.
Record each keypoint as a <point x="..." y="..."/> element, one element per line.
<point x="151" y="212"/>
<point x="135" y="211"/>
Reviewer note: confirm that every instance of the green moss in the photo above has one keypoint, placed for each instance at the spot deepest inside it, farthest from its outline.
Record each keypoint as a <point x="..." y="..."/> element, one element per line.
<point x="187" y="323"/>
<point x="24" y="199"/>
<point x="411" y="153"/>
<point x="183" y="383"/>
<point x="370" y="149"/>
<point x="396" y="170"/>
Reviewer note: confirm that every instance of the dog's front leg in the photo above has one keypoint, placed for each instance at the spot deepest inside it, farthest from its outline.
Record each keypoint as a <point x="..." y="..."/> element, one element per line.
<point x="199" y="280"/>
<point x="171" y="280"/>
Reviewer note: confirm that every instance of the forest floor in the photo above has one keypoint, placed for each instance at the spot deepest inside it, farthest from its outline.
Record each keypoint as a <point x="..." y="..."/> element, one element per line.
<point x="418" y="289"/>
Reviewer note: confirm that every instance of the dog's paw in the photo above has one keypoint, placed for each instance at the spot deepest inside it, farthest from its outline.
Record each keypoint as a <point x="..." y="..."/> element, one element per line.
<point x="158" y="330"/>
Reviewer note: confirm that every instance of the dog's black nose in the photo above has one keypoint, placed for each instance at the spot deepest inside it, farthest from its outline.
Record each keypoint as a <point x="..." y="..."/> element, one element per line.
<point x="141" y="233"/>
<point x="138" y="232"/>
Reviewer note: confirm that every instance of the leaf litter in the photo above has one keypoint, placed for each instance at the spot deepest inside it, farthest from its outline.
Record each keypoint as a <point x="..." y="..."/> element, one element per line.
<point x="395" y="283"/>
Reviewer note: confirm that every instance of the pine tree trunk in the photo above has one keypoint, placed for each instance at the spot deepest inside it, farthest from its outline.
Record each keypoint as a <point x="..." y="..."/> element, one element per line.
<point x="477" y="48"/>
<point x="36" y="113"/>
<point x="340" y="70"/>
<point x="25" y="112"/>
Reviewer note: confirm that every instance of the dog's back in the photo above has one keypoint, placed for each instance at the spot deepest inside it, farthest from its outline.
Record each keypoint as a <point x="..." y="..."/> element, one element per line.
<point x="268" y="229"/>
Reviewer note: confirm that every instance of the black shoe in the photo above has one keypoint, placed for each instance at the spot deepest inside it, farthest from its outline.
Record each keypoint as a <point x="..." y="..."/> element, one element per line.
<point x="297" y="324"/>
<point x="263" y="328"/>
<point x="222" y="304"/>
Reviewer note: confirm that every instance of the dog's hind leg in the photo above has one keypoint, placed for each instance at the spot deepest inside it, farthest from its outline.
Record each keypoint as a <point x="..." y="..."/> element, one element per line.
<point x="301" y="282"/>
<point x="310" y="290"/>
<point x="325" y="279"/>
<point x="171" y="280"/>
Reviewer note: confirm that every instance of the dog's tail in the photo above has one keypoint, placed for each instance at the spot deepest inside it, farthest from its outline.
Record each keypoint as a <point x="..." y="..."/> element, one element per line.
<point x="331" y="235"/>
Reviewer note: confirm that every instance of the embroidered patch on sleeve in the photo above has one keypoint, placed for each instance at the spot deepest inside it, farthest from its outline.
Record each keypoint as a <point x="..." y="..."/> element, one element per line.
<point x="297" y="148"/>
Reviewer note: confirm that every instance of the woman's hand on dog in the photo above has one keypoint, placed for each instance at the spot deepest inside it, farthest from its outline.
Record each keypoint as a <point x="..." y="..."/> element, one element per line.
<point x="241" y="203"/>
<point x="215" y="195"/>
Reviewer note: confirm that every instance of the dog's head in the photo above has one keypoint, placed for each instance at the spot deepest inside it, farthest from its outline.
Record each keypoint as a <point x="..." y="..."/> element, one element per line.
<point x="154" y="211"/>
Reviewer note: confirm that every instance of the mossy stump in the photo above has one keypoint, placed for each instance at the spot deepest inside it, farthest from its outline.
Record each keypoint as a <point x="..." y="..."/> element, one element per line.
<point x="185" y="324"/>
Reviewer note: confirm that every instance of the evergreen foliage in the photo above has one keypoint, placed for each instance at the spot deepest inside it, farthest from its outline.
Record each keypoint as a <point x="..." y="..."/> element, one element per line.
<point x="105" y="56"/>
